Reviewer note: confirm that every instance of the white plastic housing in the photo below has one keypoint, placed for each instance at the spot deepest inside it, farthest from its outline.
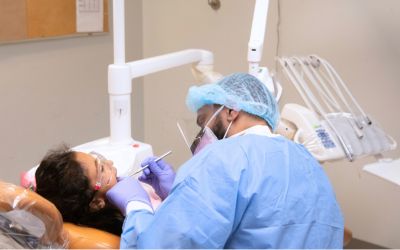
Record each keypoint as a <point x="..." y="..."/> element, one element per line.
<point x="255" y="47"/>
<point x="119" y="31"/>
<point x="126" y="157"/>
<point x="314" y="134"/>
<point x="158" y="63"/>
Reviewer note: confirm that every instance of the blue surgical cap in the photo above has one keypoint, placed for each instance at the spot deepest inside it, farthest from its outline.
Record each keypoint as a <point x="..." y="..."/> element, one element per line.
<point x="239" y="91"/>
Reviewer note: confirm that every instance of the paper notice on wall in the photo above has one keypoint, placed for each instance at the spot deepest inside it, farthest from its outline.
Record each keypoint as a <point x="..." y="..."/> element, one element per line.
<point x="89" y="15"/>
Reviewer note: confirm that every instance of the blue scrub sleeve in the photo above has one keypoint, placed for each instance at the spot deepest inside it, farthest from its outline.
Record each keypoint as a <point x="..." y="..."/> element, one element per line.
<point x="196" y="214"/>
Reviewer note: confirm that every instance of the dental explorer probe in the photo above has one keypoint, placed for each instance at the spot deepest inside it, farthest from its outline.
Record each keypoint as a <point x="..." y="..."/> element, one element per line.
<point x="148" y="165"/>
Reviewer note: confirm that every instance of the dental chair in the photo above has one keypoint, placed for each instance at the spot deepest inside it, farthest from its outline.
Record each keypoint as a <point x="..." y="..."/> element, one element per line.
<point x="57" y="234"/>
<point x="23" y="212"/>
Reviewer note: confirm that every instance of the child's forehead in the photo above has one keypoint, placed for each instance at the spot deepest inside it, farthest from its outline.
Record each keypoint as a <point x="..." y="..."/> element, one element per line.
<point x="84" y="157"/>
<point x="88" y="163"/>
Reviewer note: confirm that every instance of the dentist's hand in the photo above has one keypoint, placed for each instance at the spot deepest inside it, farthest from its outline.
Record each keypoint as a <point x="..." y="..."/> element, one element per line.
<point x="126" y="190"/>
<point x="159" y="175"/>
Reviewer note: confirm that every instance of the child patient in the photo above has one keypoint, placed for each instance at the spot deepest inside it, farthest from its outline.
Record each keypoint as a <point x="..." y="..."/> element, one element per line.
<point x="76" y="183"/>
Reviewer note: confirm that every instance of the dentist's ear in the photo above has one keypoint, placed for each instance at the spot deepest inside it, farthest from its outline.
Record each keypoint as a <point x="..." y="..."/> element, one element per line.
<point x="232" y="114"/>
<point x="96" y="204"/>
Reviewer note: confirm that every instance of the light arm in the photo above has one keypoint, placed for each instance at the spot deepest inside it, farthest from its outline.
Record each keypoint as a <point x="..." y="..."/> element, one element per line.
<point x="256" y="42"/>
<point x="158" y="63"/>
<point x="120" y="85"/>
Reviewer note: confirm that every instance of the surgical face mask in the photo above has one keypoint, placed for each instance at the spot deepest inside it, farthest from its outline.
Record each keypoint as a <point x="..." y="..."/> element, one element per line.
<point x="206" y="136"/>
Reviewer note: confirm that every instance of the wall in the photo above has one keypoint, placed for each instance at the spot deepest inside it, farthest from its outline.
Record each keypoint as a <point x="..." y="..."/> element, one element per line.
<point x="170" y="26"/>
<point x="54" y="91"/>
<point x="359" y="37"/>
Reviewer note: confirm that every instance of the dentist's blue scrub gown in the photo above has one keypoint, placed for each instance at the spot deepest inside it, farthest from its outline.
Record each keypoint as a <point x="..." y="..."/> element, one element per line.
<point x="250" y="191"/>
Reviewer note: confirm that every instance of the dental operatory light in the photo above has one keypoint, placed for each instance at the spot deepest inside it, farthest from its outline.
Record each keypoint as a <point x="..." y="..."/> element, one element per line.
<point x="121" y="73"/>
<point x="127" y="153"/>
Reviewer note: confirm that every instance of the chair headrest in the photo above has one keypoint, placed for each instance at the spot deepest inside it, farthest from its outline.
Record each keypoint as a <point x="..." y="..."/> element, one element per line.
<point x="13" y="197"/>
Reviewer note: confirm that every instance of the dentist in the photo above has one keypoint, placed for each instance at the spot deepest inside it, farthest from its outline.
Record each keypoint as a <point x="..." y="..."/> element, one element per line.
<point x="245" y="187"/>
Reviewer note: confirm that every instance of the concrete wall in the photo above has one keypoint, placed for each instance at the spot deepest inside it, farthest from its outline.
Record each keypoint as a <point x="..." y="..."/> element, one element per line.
<point x="359" y="37"/>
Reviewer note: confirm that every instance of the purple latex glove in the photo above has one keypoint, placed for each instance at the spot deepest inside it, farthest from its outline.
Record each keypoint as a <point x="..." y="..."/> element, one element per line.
<point x="126" y="190"/>
<point x="159" y="175"/>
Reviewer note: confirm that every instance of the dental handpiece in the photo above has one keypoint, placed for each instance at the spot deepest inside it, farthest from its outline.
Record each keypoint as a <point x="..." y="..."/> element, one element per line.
<point x="148" y="165"/>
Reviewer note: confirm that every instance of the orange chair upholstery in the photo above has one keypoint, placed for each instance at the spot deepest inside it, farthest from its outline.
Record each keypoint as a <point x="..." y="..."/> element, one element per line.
<point x="86" y="237"/>
<point x="13" y="197"/>
<point x="61" y="234"/>
<point x="57" y="233"/>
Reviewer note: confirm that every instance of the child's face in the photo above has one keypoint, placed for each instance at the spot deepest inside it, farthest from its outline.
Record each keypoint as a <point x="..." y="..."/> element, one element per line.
<point x="98" y="172"/>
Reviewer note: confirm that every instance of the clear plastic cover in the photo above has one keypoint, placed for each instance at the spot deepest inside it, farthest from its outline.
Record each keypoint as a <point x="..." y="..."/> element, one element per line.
<point x="370" y="140"/>
<point x="27" y="220"/>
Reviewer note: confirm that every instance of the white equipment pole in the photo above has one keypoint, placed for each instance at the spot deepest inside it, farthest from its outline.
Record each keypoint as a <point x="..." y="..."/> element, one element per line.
<point x="256" y="42"/>
<point x="255" y="48"/>
<point x="119" y="82"/>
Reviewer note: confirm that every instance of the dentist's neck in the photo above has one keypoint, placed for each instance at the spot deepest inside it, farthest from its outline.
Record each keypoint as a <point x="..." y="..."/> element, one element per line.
<point x="244" y="121"/>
